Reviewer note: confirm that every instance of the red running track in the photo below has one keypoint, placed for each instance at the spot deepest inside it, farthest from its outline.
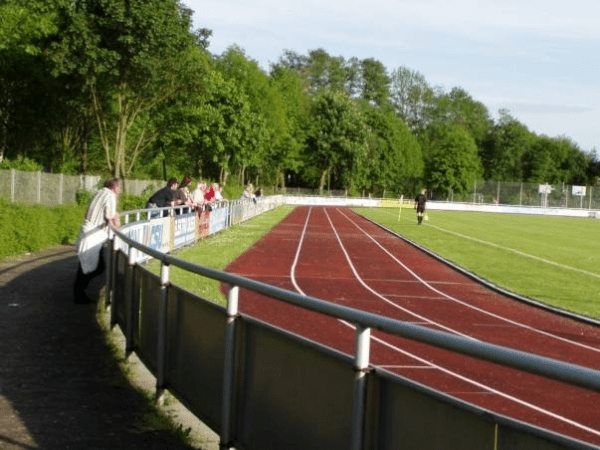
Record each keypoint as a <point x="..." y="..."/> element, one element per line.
<point x="334" y="254"/>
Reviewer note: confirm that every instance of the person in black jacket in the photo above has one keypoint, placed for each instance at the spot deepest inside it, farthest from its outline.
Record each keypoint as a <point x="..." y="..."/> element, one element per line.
<point x="420" y="201"/>
<point x="164" y="197"/>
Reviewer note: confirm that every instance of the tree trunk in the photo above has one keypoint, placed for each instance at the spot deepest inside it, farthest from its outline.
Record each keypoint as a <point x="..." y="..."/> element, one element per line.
<point x="223" y="175"/>
<point x="282" y="179"/>
<point x="323" y="180"/>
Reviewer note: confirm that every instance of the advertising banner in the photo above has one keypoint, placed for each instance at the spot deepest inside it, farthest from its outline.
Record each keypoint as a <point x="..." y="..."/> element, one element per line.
<point x="219" y="219"/>
<point x="185" y="230"/>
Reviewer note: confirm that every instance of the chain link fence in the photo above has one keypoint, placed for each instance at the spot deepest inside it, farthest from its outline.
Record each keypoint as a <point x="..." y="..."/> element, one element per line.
<point x="58" y="189"/>
<point x="528" y="194"/>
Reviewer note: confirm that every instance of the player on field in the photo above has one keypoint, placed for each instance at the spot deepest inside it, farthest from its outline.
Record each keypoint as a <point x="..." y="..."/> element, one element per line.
<point x="420" y="201"/>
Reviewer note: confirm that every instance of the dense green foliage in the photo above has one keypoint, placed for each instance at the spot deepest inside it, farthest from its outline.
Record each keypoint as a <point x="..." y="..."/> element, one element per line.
<point x="26" y="228"/>
<point x="129" y="89"/>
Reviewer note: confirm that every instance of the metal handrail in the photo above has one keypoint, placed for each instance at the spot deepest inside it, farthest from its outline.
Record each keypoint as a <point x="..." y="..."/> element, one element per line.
<point x="540" y="365"/>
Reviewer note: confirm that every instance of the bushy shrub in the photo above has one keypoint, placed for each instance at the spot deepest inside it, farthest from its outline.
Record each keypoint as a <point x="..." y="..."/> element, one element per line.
<point x="21" y="163"/>
<point x="131" y="202"/>
<point x="25" y="228"/>
<point x="83" y="198"/>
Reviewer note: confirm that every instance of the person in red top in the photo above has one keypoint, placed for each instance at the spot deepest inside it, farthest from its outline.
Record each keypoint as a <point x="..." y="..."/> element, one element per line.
<point x="209" y="196"/>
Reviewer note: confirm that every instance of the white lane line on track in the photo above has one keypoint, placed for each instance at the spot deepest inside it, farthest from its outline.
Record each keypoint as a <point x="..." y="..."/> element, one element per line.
<point x="475" y="308"/>
<point x="428" y="363"/>
<point x="386" y="300"/>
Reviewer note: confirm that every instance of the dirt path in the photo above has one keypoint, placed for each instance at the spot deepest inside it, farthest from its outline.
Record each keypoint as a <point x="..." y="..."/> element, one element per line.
<point x="59" y="386"/>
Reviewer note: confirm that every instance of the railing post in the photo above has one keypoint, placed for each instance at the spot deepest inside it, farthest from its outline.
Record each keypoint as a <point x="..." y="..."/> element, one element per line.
<point x="61" y="187"/>
<point x="361" y="364"/>
<point x="113" y="281"/>
<point x="109" y="264"/>
<point x="129" y="302"/>
<point x="13" y="176"/>
<point x="39" y="187"/>
<point x="161" y="348"/>
<point x="232" y="314"/>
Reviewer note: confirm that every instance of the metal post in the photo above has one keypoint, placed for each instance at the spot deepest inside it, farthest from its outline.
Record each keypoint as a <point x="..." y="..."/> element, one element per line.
<point x="498" y="194"/>
<point x="361" y="364"/>
<point x="13" y="175"/>
<point x="39" y="187"/>
<point x="521" y="195"/>
<point x="109" y="264"/>
<point x="232" y="314"/>
<point x="161" y="349"/>
<point x="113" y="277"/>
<point x="61" y="184"/>
<point x="129" y="301"/>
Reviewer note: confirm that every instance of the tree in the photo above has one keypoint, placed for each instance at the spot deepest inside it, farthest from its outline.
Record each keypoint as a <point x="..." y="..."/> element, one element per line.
<point x="130" y="57"/>
<point x="321" y="70"/>
<point x="502" y="151"/>
<point x="411" y="97"/>
<point x="473" y="115"/>
<point x="393" y="154"/>
<point x="265" y="106"/>
<point x="22" y="27"/>
<point x="23" y="24"/>
<point x="375" y="82"/>
<point x="593" y="172"/>
<point x="451" y="162"/>
<point x="284" y="154"/>
<point x="555" y="160"/>
<point x="222" y="134"/>
<point x="336" y="140"/>
<point x="326" y="71"/>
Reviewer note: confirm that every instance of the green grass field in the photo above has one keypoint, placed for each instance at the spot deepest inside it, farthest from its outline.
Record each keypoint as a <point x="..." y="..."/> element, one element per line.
<point x="555" y="260"/>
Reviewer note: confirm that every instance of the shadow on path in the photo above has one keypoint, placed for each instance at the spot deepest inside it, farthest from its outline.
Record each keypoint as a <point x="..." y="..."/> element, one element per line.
<point x="59" y="386"/>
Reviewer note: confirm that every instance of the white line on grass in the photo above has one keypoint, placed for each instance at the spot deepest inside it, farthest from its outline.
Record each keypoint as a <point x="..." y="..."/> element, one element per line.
<point x="512" y="250"/>
<point x="517" y="252"/>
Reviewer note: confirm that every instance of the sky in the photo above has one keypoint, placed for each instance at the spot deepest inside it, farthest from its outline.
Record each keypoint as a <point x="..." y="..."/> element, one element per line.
<point x="538" y="59"/>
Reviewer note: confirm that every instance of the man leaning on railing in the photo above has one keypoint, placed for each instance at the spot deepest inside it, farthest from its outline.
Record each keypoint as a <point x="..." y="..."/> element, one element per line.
<point x="93" y="233"/>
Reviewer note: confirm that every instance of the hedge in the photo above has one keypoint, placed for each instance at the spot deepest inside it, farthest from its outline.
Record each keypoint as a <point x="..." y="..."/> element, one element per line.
<point x="26" y="228"/>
